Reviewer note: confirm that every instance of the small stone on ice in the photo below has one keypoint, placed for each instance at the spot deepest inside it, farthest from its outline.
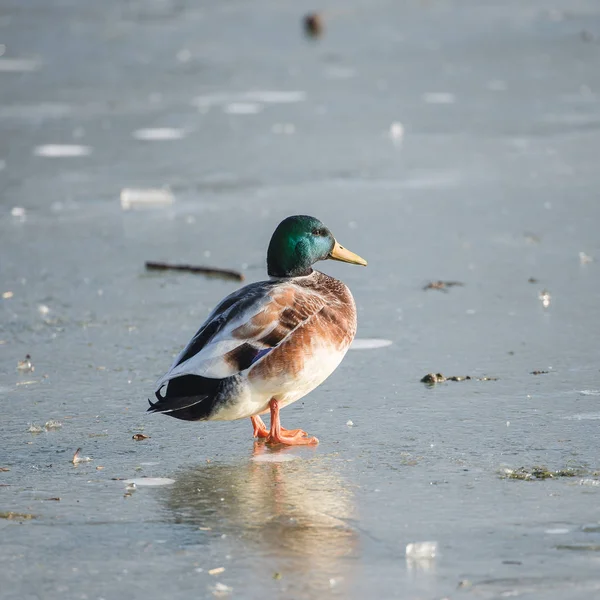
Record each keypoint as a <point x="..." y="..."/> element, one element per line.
<point x="18" y="212"/>
<point x="350" y="423"/>
<point x="421" y="550"/>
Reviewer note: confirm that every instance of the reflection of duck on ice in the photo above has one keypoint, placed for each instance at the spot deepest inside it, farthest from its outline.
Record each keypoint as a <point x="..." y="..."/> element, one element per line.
<point x="288" y="516"/>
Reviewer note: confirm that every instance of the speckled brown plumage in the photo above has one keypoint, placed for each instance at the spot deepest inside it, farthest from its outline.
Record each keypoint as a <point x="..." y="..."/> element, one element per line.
<point x="323" y="313"/>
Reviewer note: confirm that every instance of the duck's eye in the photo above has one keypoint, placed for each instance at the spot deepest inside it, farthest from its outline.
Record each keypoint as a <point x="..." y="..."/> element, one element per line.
<point x="320" y="231"/>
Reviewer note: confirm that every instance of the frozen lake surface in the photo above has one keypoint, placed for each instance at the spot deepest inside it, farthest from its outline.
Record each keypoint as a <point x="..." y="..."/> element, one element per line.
<point x="441" y="140"/>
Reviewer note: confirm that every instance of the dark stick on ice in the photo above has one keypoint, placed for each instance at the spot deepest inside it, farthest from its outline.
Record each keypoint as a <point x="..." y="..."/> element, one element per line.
<point x="442" y="285"/>
<point x="213" y="271"/>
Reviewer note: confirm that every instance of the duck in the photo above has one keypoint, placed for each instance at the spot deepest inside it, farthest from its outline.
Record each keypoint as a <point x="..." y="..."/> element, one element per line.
<point x="269" y="343"/>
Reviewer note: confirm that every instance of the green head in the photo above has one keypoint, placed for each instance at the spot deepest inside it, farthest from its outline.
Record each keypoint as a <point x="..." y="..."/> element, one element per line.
<point x="299" y="242"/>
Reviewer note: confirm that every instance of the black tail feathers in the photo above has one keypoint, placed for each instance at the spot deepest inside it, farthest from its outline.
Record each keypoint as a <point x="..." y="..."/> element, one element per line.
<point x="189" y="397"/>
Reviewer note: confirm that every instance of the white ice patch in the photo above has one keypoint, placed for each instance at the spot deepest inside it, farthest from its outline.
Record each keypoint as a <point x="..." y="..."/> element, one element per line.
<point x="590" y="392"/>
<point x="19" y="65"/>
<point x="242" y="108"/>
<point x="159" y="134"/>
<point x="62" y="150"/>
<point x="142" y="198"/>
<point x="149" y="481"/>
<point x="584" y="417"/>
<point x="18" y="212"/>
<point x="369" y="344"/>
<point x="396" y="132"/>
<point x="422" y="550"/>
<point x="252" y="98"/>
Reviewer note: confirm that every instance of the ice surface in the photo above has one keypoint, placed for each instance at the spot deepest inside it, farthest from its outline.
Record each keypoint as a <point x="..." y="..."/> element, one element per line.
<point x="496" y="187"/>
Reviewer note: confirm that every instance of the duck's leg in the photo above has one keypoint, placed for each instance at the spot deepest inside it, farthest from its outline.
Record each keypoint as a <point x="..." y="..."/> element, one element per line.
<point x="279" y="435"/>
<point x="261" y="431"/>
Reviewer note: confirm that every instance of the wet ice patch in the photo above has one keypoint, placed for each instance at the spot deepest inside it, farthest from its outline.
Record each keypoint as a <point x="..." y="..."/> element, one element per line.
<point x="149" y="481"/>
<point x="159" y="134"/>
<point x="369" y="343"/>
<point x="19" y="65"/>
<point x="62" y="150"/>
<point x="274" y="457"/>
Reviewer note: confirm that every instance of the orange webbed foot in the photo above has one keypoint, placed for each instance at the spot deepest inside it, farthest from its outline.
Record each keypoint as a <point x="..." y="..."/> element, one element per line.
<point x="260" y="429"/>
<point x="300" y="439"/>
<point x="289" y="437"/>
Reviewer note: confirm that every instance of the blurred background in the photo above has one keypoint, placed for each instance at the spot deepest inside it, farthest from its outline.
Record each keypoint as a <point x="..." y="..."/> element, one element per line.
<point x="443" y="140"/>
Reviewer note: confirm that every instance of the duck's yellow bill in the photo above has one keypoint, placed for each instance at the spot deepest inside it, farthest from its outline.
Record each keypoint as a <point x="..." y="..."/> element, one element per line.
<point x="340" y="253"/>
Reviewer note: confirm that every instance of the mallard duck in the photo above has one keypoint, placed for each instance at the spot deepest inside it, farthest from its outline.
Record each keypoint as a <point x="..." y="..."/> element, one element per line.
<point x="269" y="343"/>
